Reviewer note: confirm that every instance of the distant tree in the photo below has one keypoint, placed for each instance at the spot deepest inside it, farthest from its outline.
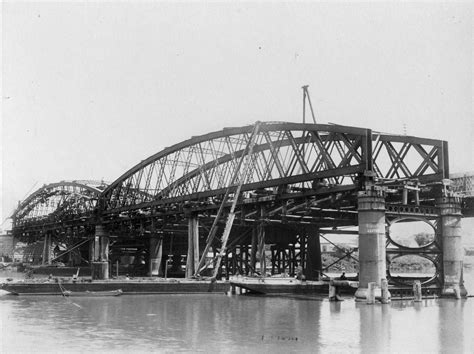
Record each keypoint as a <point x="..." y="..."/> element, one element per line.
<point x="342" y="250"/>
<point x="404" y="242"/>
<point x="423" y="238"/>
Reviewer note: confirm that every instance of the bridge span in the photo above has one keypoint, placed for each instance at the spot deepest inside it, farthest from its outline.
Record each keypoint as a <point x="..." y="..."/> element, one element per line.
<point x="255" y="200"/>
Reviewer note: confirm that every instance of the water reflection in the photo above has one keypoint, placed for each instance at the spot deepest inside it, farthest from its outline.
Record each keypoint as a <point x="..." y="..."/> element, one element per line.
<point x="451" y="323"/>
<point x="232" y="324"/>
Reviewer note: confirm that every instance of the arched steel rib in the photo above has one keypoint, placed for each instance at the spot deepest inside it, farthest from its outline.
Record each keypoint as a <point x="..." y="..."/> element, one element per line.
<point x="336" y="133"/>
<point x="48" y="191"/>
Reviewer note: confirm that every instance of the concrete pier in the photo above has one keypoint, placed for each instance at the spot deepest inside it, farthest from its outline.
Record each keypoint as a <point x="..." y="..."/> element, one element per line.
<point x="313" y="255"/>
<point x="370" y="294"/>
<point x="100" y="263"/>
<point x="253" y="251"/>
<point x="156" y="255"/>
<point x="261" y="249"/>
<point x="47" y="249"/>
<point x="417" y="295"/>
<point x="192" y="261"/>
<point x="100" y="270"/>
<point x="372" y="261"/>
<point x="450" y="228"/>
<point x="385" y="293"/>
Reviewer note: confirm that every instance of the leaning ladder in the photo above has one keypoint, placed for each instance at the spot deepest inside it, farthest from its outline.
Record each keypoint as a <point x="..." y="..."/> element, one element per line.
<point x="247" y="157"/>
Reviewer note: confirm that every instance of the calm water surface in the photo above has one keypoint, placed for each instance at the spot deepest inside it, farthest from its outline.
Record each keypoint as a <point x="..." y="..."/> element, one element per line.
<point x="238" y="323"/>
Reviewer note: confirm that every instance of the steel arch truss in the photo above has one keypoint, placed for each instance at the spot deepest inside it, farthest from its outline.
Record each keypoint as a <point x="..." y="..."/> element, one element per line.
<point x="57" y="203"/>
<point x="285" y="154"/>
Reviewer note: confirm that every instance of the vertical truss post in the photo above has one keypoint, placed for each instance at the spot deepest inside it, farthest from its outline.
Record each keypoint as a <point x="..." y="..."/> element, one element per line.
<point x="444" y="163"/>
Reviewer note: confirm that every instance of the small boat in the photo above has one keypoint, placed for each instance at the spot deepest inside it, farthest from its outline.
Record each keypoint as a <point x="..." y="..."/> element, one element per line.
<point x="89" y="293"/>
<point x="92" y="293"/>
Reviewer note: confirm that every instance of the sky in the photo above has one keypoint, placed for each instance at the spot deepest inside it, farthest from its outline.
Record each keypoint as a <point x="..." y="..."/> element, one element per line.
<point x="89" y="89"/>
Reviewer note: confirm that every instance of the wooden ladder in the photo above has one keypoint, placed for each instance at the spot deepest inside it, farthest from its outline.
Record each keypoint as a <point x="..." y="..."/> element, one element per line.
<point x="246" y="161"/>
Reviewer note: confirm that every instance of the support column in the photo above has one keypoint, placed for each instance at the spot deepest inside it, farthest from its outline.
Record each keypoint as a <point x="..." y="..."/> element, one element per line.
<point x="46" y="249"/>
<point x="92" y="244"/>
<point x="192" y="262"/>
<point x="372" y="259"/>
<point x="261" y="249"/>
<point x="253" y="251"/>
<point x="450" y="227"/>
<point x="156" y="255"/>
<point x="313" y="255"/>
<point x="100" y="264"/>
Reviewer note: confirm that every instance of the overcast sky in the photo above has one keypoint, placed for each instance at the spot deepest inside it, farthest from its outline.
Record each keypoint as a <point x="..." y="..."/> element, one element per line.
<point x="90" y="89"/>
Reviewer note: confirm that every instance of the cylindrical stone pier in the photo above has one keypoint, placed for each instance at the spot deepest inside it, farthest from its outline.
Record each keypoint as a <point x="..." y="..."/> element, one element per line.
<point x="450" y="227"/>
<point x="371" y="219"/>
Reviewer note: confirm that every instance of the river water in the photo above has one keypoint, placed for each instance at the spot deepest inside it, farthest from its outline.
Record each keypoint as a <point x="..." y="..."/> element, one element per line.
<point x="233" y="323"/>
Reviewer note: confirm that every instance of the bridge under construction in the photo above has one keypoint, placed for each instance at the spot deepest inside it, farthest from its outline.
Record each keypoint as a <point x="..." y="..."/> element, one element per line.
<point x="257" y="200"/>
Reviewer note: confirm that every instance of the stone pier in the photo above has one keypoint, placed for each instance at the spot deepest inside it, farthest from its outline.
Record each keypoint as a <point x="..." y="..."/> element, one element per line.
<point x="450" y="227"/>
<point x="372" y="260"/>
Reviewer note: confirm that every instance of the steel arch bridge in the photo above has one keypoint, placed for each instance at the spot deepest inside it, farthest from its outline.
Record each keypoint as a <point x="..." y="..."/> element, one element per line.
<point x="284" y="178"/>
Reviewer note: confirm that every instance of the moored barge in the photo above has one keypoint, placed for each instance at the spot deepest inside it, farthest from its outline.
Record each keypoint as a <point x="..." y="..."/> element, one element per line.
<point x="132" y="286"/>
<point x="292" y="286"/>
